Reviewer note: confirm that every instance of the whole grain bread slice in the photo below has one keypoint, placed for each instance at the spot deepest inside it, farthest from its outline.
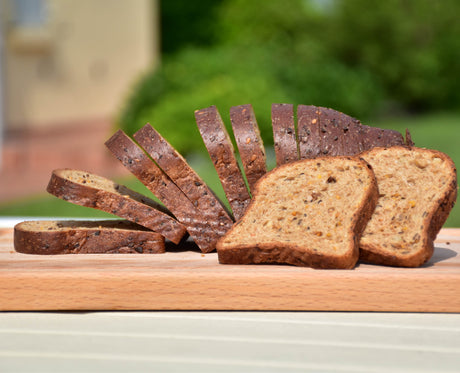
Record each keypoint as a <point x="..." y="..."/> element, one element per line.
<point x="86" y="237"/>
<point x="284" y="133"/>
<point x="90" y="190"/>
<point x="150" y="174"/>
<point x="307" y="213"/>
<point x="179" y="171"/>
<point x="222" y="154"/>
<point x="418" y="188"/>
<point x="249" y="142"/>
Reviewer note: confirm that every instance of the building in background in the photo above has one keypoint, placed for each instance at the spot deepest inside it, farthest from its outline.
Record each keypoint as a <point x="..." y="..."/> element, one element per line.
<point x="66" y="68"/>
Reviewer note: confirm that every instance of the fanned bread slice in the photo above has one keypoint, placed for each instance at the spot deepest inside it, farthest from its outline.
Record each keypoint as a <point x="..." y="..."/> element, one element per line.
<point x="418" y="188"/>
<point x="284" y="133"/>
<point x="323" y="131"/>
<point x="222" y="154"/>
<point x="147" y="171"/>
<point x="179" y="171"/>
<point x="249" y="143"/>
<point x="306" y="213"/>
<point x="90" y="190"/>
<point x="86" y="237"/>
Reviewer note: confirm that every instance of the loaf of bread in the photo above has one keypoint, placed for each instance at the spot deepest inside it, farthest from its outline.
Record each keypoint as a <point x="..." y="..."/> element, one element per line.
<point x="179" y="171"/>
<point x="90" y="190"/>
<point x="307" y="213"/>
<point x="249" y="143"/>
<point x="284" y="133"/>
<point x="222" y="153"/>
<point x="418" y="188"/>
<point x="85" y="237"/>
<point x="133" y="157"/>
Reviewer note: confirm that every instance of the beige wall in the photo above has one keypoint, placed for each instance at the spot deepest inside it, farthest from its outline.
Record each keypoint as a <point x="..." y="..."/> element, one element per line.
<point x="81" y="64"/>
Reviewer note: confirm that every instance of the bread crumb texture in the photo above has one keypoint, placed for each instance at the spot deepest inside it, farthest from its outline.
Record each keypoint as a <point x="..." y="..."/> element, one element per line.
<point x="310" y="204"/>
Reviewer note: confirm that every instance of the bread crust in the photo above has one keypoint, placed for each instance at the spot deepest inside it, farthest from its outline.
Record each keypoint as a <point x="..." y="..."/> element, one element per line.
<point x="249" y="143"/>
<point x="126" y="204"/>
<point x="136" y="161"/>
<point x="88" y="237"/>
<point x="222" y="154"/>
<point x="432" y="223"/>
<point x="284" y="133"/>
<point x="289" y="253"/>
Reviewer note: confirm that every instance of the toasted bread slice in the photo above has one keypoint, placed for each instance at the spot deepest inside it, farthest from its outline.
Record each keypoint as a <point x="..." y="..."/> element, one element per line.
<point x="306" y="213"/>
<point x="418" y="188"/>
<point x="85" y="237"/>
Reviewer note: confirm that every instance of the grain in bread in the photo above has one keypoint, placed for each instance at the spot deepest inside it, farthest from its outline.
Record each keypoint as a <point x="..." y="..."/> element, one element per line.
<point x="418" y="188"/>
<point x="85" y="237"/>
<point x="222" y="154"/>
<point x="90" y="190"/>
<point x="284" y="133"/>
<point x="179" y="171"/>
<point x="306" y="213"/>
<point x="147" y="171"/>
<point x="249" y="143"/>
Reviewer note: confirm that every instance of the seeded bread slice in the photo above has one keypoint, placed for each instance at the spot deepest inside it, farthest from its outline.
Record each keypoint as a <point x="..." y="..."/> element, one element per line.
<point x="323" y="131"/>
<point x="284" y="133"/>
<point x="306" y="213"/>
<point x="85" y="237"/>
<point x="177" y="168"/>
<point x="249" y="143"/>
<point x="147" y="171"/>
<point x="222" y="153"/>
<point x="418" y="188"/>
<point x="90" y="190"/>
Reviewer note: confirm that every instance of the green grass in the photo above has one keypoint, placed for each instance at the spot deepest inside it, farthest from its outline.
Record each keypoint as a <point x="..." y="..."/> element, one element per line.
<point x="435" y="131"/>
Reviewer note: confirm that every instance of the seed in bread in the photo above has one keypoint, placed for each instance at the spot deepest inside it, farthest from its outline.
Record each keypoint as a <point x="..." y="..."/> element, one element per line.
<point x="86" y="237"/>
<point x="284" y="134"/>
<point x="418" y="188"/>
<point x="306" y="213"/>
<point x="90" y="190"/>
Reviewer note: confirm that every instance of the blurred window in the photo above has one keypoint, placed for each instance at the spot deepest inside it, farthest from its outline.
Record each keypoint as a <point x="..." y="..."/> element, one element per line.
<point x="29" y="13"/>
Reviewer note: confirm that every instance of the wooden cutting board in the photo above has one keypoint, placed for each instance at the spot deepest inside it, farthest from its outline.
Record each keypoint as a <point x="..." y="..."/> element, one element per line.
<point x="188" y="280"/>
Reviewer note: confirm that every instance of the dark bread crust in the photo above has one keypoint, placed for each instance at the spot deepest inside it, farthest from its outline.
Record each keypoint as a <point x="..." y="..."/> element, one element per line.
<point x="126" y="203"/>
<point x="222" y="153"/>
<point x="284" y="133"/>
<point x="177" y="168"/>
<point x="146" y="170"/>
<point x="88" y="237"/>
<point x="308" y="131"/>
<point x="432" y="224"/>
<point x="249" y="142"/>
<point x="288" y="253"/>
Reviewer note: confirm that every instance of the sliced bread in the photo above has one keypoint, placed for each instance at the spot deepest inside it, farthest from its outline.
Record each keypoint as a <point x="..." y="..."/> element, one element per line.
<point x="85" y="237"/>
<point x="306" y="213"/>
<point x="90" y="190"/>
<point x="418" y="188"/>
<point x="284" y="133"/>
<point x="179" y="171"/>
<point x="249" y="143"/>
<point x="147" y="171"/>
<point x="222" y="153"/>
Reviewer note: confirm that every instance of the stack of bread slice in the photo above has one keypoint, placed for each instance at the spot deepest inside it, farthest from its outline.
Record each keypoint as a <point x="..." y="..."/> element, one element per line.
<point x="326" y="198"/>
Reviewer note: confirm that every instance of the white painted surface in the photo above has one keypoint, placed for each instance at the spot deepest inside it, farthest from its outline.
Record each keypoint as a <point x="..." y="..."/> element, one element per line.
<point x="229" y="342"/>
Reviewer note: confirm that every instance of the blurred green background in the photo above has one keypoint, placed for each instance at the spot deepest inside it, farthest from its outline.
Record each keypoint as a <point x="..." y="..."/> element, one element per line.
<point x="393" y="64"/>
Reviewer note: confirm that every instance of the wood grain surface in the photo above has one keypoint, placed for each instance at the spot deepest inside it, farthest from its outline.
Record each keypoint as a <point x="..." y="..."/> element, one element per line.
<point x="186" y="279"/>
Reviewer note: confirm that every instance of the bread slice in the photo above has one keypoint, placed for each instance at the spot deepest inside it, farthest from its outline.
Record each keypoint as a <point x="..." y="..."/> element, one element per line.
<point x="147" y="171"/>
<point x="284" y="133"/>
<point x="85" y="237"/>
<point x="306" y="213"/>
<point x="249" y="143"/>
<point x="90" y="190"/>
<point x="178" y="170"/>
<point x="323" y="131"/>
<point x="222" y="153"/>
<point x="418" y="188"/>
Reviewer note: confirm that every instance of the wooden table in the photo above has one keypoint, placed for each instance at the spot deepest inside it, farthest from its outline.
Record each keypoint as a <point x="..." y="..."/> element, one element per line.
<point x="188" y="280"/>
